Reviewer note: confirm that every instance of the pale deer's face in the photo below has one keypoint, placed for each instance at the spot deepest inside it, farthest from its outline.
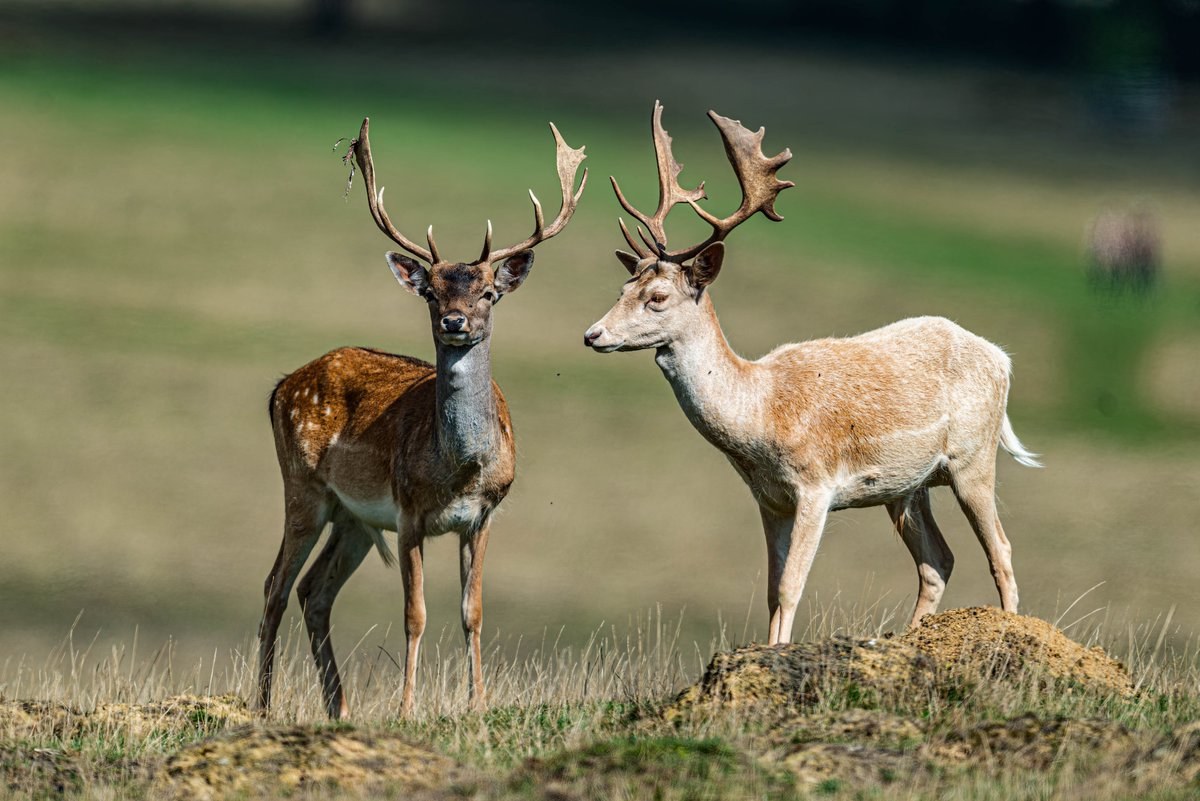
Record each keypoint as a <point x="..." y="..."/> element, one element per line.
<point x="461" y="296"/>
<point x="658" y="305"/>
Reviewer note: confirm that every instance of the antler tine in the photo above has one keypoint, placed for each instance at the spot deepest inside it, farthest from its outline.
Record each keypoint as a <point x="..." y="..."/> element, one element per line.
<point x="638" y="249"/>
<point x="756" y="175"/>
<point x="539" y="220"/>
<point x="487" y="243"/>
<point x="657" y="248"/>
<point x="568" y="159"/>
<point x="361" y="148"/>
<point x="432" y="245"/>
<point x="625" y="204"/>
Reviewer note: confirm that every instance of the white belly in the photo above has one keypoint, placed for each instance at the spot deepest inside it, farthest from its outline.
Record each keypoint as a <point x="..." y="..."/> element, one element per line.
<point x="378" y="513"/>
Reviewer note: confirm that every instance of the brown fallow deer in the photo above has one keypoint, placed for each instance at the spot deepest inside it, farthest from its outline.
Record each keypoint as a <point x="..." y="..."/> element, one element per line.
<point x="824" y="425"/>
<point x="370" y="441"/>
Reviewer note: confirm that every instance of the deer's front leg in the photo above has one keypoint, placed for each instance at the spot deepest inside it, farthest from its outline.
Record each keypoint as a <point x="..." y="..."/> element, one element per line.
<point x="793" y="546"/>
<point x="412" y="552"/>
<point x="778" y="531"/>
<point x="471" y="551"/>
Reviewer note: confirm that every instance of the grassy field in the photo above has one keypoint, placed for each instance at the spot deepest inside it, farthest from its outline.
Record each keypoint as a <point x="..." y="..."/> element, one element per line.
<point x="173" y="238"/>
<point x="848" y="714"/>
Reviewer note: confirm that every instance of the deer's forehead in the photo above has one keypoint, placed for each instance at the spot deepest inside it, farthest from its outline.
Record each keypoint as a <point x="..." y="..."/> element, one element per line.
<point x="460" y="279"/>
<point x="653" y="273"/>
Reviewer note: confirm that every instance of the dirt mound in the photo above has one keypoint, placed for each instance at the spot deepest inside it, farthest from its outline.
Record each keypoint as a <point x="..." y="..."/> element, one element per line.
<point x="847" y="726"/>
<point x="35" y="770"/>
<point x="973" y="645"/>
<point x="859" y="765"/>
<point x="201" y="714"/>
<point x="858" y="746"/>
<point x="284" y="760"/>
<point x="1035" y="743"/>
<point x="1175" y="757"/>
<point x="782" y="678"/>
<point x="640" y="767"/>
<point x="1004" y="644"/>
<point x="27" y="720"/>
<point x="31" y="720"/>
<point x="877" y="748"/>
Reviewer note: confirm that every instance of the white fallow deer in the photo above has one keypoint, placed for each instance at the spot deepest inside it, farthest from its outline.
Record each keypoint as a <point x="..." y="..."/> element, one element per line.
<point x="371" y="441"/>
<point x="824" y="425"/>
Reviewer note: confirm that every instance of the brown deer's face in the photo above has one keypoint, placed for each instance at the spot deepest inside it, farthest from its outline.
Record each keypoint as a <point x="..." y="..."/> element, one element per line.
<point x="461" y="296"/>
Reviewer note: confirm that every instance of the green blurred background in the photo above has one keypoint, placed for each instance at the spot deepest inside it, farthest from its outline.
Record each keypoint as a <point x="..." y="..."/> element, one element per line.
<point x="174" y="238"/>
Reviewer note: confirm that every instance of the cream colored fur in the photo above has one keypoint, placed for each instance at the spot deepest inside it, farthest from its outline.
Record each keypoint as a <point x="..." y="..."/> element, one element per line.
<point x="830" y="424"/>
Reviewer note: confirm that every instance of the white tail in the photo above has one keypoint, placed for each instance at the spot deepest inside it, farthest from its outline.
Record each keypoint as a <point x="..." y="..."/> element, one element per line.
<point x="1010" y="443"/>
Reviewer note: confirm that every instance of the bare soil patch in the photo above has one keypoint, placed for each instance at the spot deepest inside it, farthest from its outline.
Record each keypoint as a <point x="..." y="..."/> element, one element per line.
<point x="958" y="647"/>
<point x="1035" y="743"/>
<point x="301" y="758"/>
<point x="31" y="720"/>
<point x="991" y="643"/>
<point x="759" y="679"/>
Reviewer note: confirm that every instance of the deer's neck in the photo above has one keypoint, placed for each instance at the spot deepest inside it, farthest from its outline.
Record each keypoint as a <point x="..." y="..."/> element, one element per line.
<point x="722" y="394"/>
<point x="466" y="405"/>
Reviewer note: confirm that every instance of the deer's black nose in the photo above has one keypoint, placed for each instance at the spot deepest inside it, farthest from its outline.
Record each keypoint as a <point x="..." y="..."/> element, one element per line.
<point x="453" y="322"/>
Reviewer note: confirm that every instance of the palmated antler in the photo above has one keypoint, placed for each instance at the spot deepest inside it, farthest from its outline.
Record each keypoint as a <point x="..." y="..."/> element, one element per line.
<point x="568" y="164"/>
<point x="569" y="160"/>
<point x="755" y="173"/>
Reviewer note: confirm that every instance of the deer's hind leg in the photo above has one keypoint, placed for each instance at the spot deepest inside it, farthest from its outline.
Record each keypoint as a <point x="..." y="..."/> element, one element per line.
<point x="349" y="543"/>
<point x="913" y="519"/>
<point x="974" y="485"/>
<point x="306" y="511"/>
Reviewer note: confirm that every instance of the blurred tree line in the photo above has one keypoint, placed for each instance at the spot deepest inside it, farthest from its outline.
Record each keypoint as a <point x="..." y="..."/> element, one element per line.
<point x="1093" y="36"/>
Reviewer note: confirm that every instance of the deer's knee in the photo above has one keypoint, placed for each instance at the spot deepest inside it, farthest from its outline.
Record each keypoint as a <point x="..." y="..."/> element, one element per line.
<point x="316" y="604"/>
<point x="472" y="616"/>
<point x="414" y="622"/>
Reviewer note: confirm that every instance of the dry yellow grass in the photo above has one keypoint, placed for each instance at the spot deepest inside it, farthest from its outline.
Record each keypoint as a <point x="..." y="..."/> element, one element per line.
<point x="827" y="715"/>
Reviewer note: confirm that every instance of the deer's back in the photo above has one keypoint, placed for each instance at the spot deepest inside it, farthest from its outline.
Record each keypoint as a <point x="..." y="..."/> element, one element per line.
<point x="904" y="396"/>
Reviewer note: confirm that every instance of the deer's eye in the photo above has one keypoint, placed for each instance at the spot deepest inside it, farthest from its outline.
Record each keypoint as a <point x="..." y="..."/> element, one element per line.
<point x="658" y="298"/>
<point x="489" y="296"/>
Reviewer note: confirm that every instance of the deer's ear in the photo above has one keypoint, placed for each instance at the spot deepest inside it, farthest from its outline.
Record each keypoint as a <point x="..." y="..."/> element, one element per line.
<point x="513" y="272"/>
<point x="629" y="260"/>
<point x="703" y="271"/>
<point x="409" y="273"/>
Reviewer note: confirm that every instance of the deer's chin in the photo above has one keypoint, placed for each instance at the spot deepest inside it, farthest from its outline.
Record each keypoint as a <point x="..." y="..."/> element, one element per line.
<point x="608" y="347"/>
<point x="458" y="340"/>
